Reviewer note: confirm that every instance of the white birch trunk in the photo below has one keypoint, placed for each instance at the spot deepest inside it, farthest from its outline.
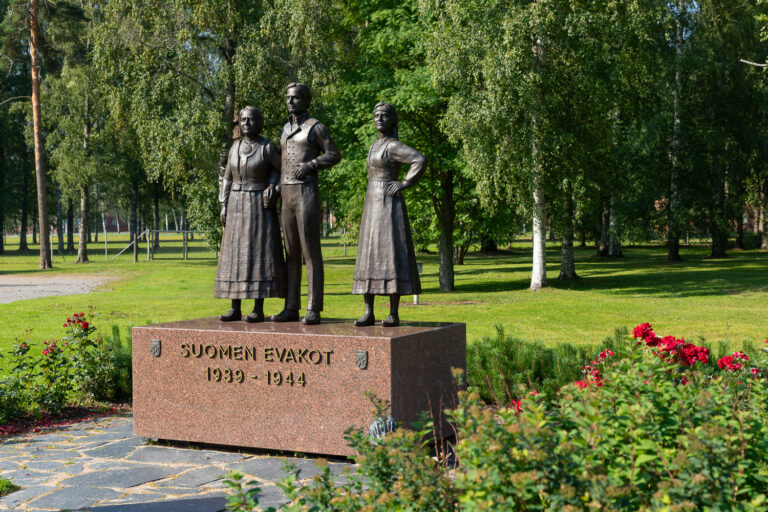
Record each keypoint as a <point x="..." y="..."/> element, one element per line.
<point x="539" y="269"/>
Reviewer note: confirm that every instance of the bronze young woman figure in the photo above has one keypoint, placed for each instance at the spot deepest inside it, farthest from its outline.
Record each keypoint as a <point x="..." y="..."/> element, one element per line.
<point x="386" y="260"/>
<point x="251" y="264"/>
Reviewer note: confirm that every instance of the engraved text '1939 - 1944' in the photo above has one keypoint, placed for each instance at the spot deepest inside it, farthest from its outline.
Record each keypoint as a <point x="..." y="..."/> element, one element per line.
<point x="224" y="352"/>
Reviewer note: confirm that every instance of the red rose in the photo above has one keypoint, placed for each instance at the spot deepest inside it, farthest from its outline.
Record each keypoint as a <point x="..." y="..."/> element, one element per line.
<point x="724" y="362"/>
<point x="84" y="325"/>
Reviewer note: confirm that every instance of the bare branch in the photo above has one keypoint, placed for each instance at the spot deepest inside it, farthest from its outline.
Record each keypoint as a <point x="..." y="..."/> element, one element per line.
<point x="15" y="98"/>
<point x="757" y="64"/>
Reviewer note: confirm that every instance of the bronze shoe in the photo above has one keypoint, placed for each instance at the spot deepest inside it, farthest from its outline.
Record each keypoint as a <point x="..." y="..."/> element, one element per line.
<point x="365" y="320"/>
<point x="286" y="315"/>
<point x="391" y="321"/>
<point x="232" y="315"/>
<point x="311" y="318"/>
<point x="254" y="317"/>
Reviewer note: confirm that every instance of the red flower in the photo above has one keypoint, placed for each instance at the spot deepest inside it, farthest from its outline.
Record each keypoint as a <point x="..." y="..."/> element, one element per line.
<point x="582" y="384"/>
<point x="727" y="363"/>
<point x="84" y="325"/>
<point x="642" y="331"/>
<point x="755" y="371"/>
<point x="518" y="404"/>
<point x="740" y="355"/>
<point x="724" y="361"/>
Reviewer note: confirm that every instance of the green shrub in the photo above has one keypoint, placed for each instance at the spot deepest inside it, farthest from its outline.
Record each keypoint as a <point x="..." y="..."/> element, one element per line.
<point x="652" y="436"/>
<point x="7" y="487"/>
<point x="503" y="369"/>
<point x="81" y="366"/>
<point x="394" y="473"/>
<point x="652" y="424"/>
<point x="15" y="387"/>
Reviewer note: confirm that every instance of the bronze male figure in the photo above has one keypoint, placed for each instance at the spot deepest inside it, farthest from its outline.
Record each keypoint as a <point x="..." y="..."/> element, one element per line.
<point x="307" y="147"/>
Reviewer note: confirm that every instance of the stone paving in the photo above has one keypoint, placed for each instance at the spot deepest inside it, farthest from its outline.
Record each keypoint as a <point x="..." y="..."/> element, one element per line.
<point x="99" y="466"/>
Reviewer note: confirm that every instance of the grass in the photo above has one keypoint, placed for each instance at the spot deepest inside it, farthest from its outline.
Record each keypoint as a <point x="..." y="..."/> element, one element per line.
<point x="7" y="487"/>
<point x="715" y="299"/>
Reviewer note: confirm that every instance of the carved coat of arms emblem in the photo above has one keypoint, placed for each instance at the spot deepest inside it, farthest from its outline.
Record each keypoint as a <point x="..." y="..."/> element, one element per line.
<point x="361" y="359"/>
<point x="155" y="347"/>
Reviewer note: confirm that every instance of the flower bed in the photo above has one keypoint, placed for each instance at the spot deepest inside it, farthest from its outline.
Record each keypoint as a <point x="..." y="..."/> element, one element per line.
<point x="659" y="427"/>
<point x="79" y="368"/>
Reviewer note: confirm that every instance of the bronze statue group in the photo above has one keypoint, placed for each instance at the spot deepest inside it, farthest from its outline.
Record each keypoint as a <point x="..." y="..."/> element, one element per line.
<point x="251" y="263"/>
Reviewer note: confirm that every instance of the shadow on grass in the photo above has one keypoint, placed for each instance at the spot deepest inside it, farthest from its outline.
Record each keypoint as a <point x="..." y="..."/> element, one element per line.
<point x="640" y="273"/>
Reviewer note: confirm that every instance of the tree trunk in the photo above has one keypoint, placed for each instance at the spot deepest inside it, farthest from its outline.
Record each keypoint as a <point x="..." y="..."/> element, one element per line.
<point x="539" y="270"/>
<point x="94" y="225"/>
<point x="23" y="233"/>
<point x="59" y="220"/>
<point x="82" y="246"/>
<point x="567" y="263"/>
<point x="740" y="232"/>
<point x="70" y="226"/>
<point x="117" y="221"/>
<point x="763" y="206"/>
<point x="673" y="206"/>
<point x="614" y="239"/>
<point x="446" y="212"/>
<point x="175" y="220"/>
<point x="156" y="216"/>
<point x="25" y="186"/>
<point x="134" y="228"/>
<point x="605" y="218"/>
<point x="34" y="231"/>
<point x="488" y="244"/>
<point x="37" y="128"/>
<point x="539" y="267"/>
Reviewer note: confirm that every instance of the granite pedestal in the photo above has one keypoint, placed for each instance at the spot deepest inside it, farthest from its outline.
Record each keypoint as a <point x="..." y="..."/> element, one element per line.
<point x="287" y="386"/>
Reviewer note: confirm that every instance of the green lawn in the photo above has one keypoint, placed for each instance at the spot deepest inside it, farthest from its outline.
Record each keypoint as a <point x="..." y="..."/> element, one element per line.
<point x="715" y="299"/>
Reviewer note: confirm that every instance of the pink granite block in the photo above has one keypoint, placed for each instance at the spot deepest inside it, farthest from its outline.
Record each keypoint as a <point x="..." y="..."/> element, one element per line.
<point x="288" y="386"/>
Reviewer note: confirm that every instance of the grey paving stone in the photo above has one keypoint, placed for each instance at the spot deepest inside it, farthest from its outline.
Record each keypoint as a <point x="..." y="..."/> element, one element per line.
<point x="45" y="465"/>
<point x="271" y="468"/>
<point x="7" y="465"/>
<point x="124" y="427"/>
<point x="112" y="464"/>
<point x="77" y="430"/>
<point x="106" y="436"/>
<point x="74" y="498"/>
<point x="205" y="504"/>
<point x="48" y="454"/>
<point x="48" y="438"/>
<point x="72" y="469"/>
<point x="26" y="477"/>
<point x="147" y="497"/>
<point x="84" y="445"/>
<point x="181" y="456"/>
<point x="17" y="498"/>
<point x="120" y="478"/>
<point x="271" y="496"/>
<point x="171" y="491"/>
<point x="195" y="477"/>
<point x="116" y="450"/>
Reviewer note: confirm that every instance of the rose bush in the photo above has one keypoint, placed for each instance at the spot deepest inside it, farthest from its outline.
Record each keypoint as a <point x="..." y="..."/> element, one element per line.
<point x="80" y="366"/>
<point x="659" y="427"/>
